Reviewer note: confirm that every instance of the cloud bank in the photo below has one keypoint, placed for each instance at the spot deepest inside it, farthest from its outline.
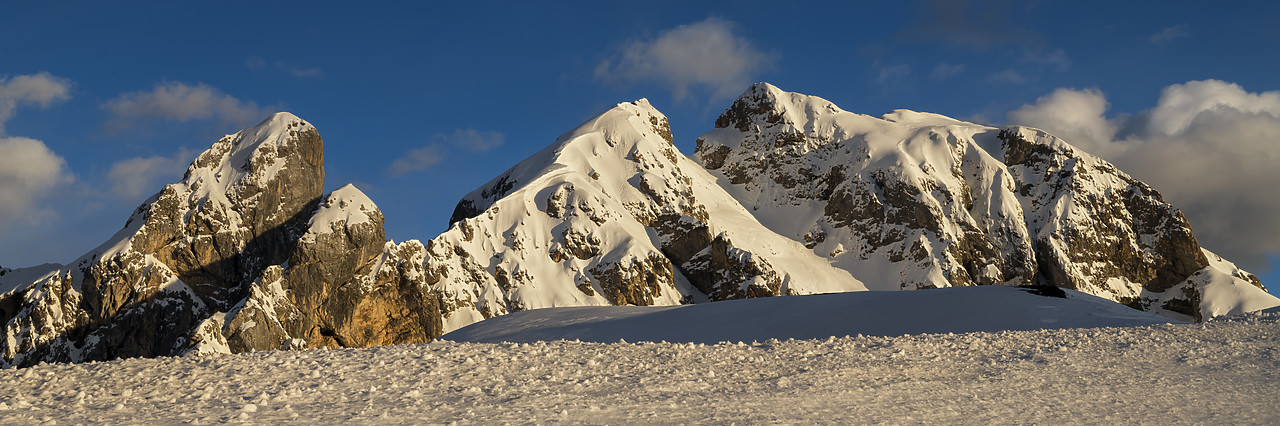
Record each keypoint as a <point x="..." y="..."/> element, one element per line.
<point x="40" y="89"/>
<point x="703" y="54"/>
<point x="1210" y="147"/>
<point x="135" y="177"/>
<point x="28" y="171"/>
<point x="423" y="157"/>
<point x="256" y="63"/>
<point x="416" y="160"/>
<point x="1170" y="34"/>
<point x="181" y="102"/>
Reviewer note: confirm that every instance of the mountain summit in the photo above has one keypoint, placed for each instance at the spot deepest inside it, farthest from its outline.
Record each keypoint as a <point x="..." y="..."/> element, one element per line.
<point x="915" y="200"/>
<point x="788" y="195"/>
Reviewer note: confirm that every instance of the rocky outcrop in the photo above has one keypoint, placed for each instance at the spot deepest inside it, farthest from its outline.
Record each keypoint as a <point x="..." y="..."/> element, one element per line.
<point x="244" y="253"/>
<point x="344" y="286"/>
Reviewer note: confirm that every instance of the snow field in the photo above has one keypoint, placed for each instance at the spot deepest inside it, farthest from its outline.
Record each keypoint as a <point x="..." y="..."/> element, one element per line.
<point x="1221" y="371"/>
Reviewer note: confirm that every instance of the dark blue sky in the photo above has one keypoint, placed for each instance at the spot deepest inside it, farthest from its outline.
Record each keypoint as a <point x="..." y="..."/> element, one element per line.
<point x="421" y="103"/>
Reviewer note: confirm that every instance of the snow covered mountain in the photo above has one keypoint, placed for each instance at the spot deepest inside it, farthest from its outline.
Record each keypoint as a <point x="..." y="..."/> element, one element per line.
<point x="613" y="214"/>
<point x="915" y="200"/>
<point x="789" y="195"/>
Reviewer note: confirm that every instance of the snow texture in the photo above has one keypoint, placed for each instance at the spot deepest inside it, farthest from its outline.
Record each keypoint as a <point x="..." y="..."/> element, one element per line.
<point x="1221" y="371"/>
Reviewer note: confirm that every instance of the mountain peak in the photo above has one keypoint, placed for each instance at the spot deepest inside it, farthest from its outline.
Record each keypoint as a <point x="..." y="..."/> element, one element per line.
<point x="765" y="105"/>
<point x="344" y="207"/>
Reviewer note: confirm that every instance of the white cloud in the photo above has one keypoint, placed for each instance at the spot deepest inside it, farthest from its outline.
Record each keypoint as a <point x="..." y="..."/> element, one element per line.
<point x="1008" y="76"/>
<point x="1209" y="147"/>
<point x="1170" y="34"/>
<point x="1075" y="115"/>
<point x="892" y="75"/>
<point x="182" y="102"/>
<point x="131" y="179"/>
<point x="1180" y="104"/>
<point x="41" y="89"/>
<point x="1057" y="58"/>
<point x="473" y="140"/>
<point x="416" y="159"/>
<point x="423" y="157"/>
<point x="256" y="63"/>
<point x="303" y="72"/>
<point x="706" y="53"/>
<point x="944" y="71"/>
<point x="28" y="172"/>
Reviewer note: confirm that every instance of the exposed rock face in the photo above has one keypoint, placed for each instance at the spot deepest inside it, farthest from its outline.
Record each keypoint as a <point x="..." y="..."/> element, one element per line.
<point x="241" y="254"/>
<point x="344" y="286"/>
<point x="913" y="200"/>
<point x="1097" y="229"/>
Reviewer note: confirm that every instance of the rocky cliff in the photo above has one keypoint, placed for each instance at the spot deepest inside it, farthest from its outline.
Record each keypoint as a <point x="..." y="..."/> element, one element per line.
<point x="244" y="253"/>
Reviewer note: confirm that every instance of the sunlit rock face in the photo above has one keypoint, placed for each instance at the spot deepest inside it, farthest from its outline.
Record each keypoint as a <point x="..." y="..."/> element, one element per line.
<point x="243" y="253"/>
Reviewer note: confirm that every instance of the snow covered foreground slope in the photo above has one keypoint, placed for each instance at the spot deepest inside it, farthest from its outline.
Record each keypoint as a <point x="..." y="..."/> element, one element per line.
<point x="915" y="200"/>
<point x="878" y="313"/>
<point x="1222" y="371"/>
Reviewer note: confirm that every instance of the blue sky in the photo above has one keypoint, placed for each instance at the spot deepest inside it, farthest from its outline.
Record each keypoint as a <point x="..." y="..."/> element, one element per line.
<point x="103" y="103"/>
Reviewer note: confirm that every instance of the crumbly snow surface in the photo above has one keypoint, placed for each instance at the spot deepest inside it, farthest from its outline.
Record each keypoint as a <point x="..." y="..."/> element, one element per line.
<point x="1224" y="370"/>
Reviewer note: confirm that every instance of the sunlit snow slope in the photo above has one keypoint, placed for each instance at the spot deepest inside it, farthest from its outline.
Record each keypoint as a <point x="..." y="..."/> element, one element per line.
<point x="613" y="214"/>
<point x="952" y="310"/>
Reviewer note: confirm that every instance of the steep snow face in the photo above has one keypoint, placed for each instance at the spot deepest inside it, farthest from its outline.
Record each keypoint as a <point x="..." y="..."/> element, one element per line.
<point x="1220" y="289"/>
<point x="915" y="200"/>
<point x="612" y="214"/>
<point x="906" y="201"/>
